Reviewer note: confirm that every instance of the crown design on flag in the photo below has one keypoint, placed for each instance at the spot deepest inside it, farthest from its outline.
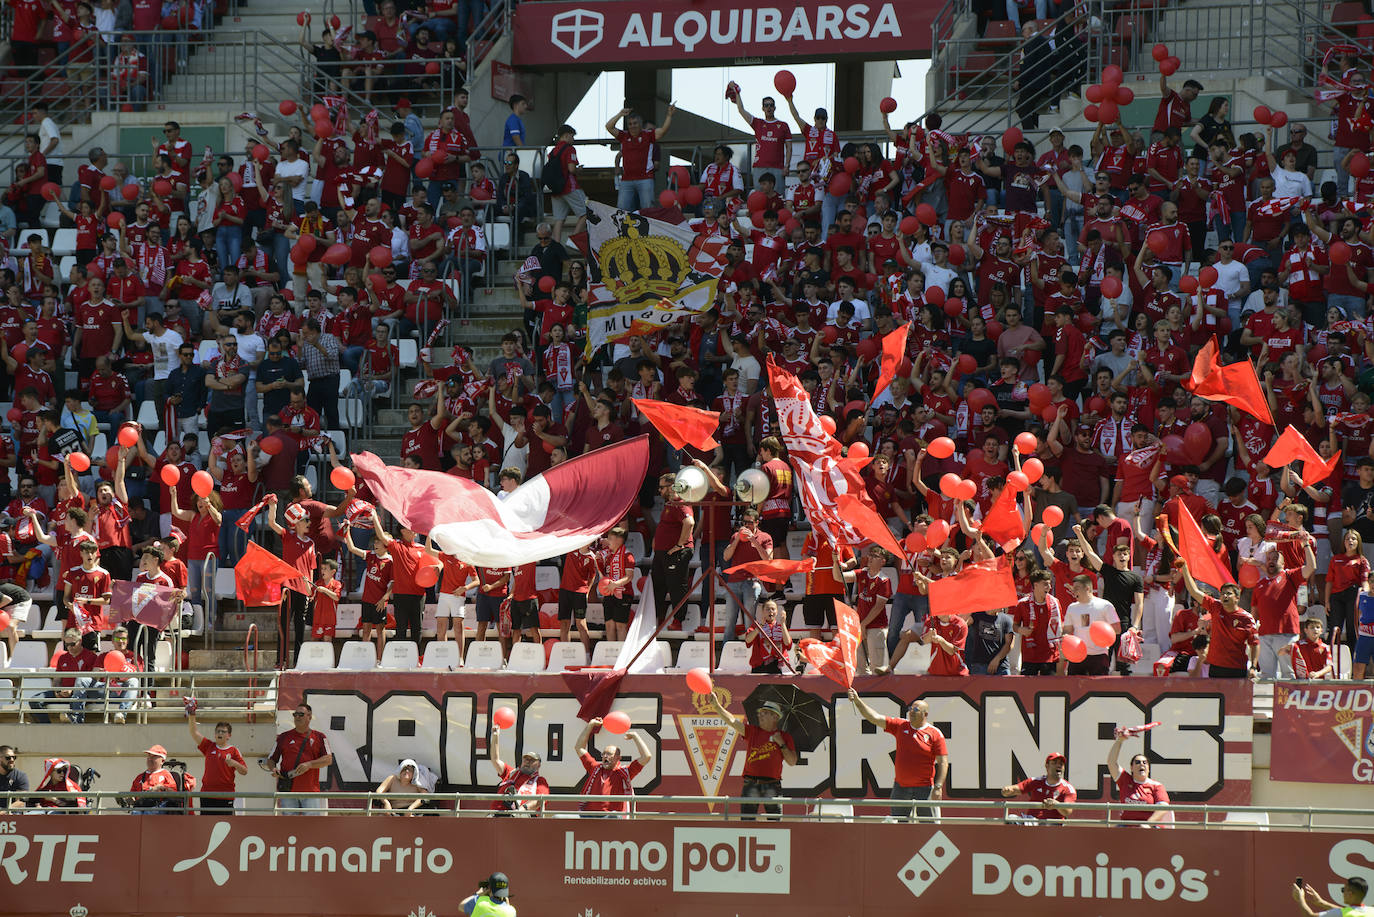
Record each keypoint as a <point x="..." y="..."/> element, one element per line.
<point x="657" y="264"/>
<point x="702" y="702"/>
<point x="79" y="911"/>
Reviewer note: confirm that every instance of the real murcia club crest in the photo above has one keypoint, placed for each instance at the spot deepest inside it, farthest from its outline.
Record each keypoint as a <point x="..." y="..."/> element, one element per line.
<point x="709" y="742"/>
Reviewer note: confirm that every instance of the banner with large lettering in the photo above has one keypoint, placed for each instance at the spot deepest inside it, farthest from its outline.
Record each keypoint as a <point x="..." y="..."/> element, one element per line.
<point x="342" y="866"/>
<point x="1323" y="733"/>
<point x="999" y="730"/>
<point x="572" y="33"/>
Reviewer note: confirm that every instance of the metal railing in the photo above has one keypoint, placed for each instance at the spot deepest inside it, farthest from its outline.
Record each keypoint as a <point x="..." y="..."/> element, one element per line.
<point x="868" y="810"/>
<point x="140" y="696"/>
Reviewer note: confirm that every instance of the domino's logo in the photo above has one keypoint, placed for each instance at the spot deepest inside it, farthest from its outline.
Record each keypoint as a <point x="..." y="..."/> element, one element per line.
<point x="928" y="863"/>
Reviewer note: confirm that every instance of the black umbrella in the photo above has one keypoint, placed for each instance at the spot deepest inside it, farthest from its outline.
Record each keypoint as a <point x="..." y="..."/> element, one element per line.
<point x="803" y="713"/>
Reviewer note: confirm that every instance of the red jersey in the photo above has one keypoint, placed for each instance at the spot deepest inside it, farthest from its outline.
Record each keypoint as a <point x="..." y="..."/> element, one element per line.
<point x="917" y="750"/>
<point x="1041" y="645"/>
<point x="1148" y="793"/>
<point x="219" y="776"/>
<point x="955" y="630"/>
<point x="1231" y="633"/>
<point x="1039" y="790"/>
<point x="764" y="758"/>
<point x="293" y="750"/>
<point x="608" y="781"/>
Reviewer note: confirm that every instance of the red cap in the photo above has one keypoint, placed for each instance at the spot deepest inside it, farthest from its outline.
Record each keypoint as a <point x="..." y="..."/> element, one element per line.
<point x="1179" y="480"/>
<point x="1056" y="756"/>
<point x="157" y="750"/>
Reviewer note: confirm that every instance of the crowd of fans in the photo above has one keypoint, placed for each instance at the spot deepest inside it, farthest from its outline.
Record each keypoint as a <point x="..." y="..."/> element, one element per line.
<point x="1056" y="292"/>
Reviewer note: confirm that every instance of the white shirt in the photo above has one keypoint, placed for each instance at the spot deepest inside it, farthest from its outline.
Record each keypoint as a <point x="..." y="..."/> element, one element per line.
<point x="937" y="276"/>
<point x="861" y="313"/>
<point x="1230" y="277"/>
<point x="48" y="131"/>
<point x="292" y="169"/>
<point x="514" y="456"/>
<point x="251" y="347"/>
<point x="1082" y="615"/>
<point x="1291" y="184"/>
<point x="164" y="347"/>
<point x="749" y="371"/>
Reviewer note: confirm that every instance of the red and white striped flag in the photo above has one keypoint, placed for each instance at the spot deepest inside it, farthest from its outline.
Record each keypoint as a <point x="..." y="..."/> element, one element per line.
<point x="1278" y="206"/>
<point x="246" y="520"/>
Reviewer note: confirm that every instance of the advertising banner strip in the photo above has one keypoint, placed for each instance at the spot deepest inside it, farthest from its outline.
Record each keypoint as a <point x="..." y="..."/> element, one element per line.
<point x="1323" y="734"/>
<point x="389" y="867"/>
<point x="999" y="730"/>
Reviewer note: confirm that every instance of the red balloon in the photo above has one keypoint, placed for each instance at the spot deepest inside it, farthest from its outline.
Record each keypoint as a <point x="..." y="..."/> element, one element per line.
<point x="927" y="215"/>
<point x="299" y="256"/>
<point x="270" y="445"/>
<point x="1124" y="95"/>
<point x="908" y="225"/>
<point x="1174" y="450"/>
<point x="1033" y="469"/>
<point x="966" y="363"/>
<point x="1279" y="119"/>
<point x="5" y="621"/>
<point x="616" y="722"/>
<point x="949" y="484"/>
<point x="935" y="295"/>
<point x="318" y="112"/>
<point x="980" y="398"/>
<point x="80" y="462"/>
<point x="840" y="183"/>
<point x="115" y="220"/>
<point x="108" y="182"/>
<point x="699" y="681"/>
<point x="162" y="187"/>
<point x="112" y="457"/>
<point x="966" y="490"/>
<point x="953" y="307"/>
<point x="130" y="192"/>
<point x="302" y="17"/>
<point x="1187" y="284"/>
<point x="424" y="168"/>
<point x="170" y="475"/>
<point x="236" y="180"/>
<point x="941" y="447"/>
<point x="1101" y="633"/>
<point x="504" y="717"/>
<point x="757" y="200"/>
<point x="432" y="68"/>
<point x="546" y="284"/>
<point x="1339" y="253"/>
<point x="667" y="197"/>
<point x="888" y="105"/>
<point x="868" y="348"/>
<point x="1359" y="165"/>
<point x="323" y="130"/>
<point x="1039" y="395"/>
<point x="858" y="450"/>
<point x="1037" y="533"/>
<point x="851" y="164"/>
<point x="1074" y="649"/>
<point x="427" y="574"/>
<point x="993" y="328"/>
<point x="377" y="282"/>
<point x="1169" y="66"/>
<point x="785" y="82"/>
<point x="1094" y="93"/>
<point x="337" y="254"/>
<point x="202" y="483"/>
<point x="828" y="424"/>
<point x="1248" y="576"/>
<point x="1159" y="52"/>
<point x="1052" y="516"/>
<point x="830" y="334"/>
<point x="915" y="543"/>
<point x="50" y="191"/>
<point x="1263" y="114"/>
<point x="936" y="533"/>
<point x="1018" y="481"/>
<point x="1097" y="405"/>
<point x="784" y="216"/>
<point x="692" y="196"/>
<point x="1011" y="138"/>
<point x="956" y="254"/>
<point x="287" y="107"/>
<point x="1108" y="112"/>
<point x="113" y="661"/>
<point x="1049" y="413"/>
<point x="128" y="436"/>
<point x="342" y="478"/>
<point x="1090" y="114"/>
<point x="1197" y="442"/>
<point x="1207" y="277"/>
<point x="1026" y="443"/>
<point x="379" y="255"/>
<point x="1158" y="240"/>
<point x="1112" y="74"/>
<point x="1111" y="287"/>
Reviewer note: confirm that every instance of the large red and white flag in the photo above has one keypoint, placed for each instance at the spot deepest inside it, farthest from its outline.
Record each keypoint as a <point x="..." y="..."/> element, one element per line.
<point x="822" y="476"/>
<point x="147" y="603"/>
<point x="835" y="660"/>
<point x="564" y="509"/>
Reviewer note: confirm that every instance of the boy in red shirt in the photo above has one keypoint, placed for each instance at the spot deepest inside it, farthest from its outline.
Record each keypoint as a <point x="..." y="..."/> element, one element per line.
<point x="376" y="589"/>
<point x="524" y="603"/>
<point x="1310" y="657"/>
<point x="222" y="762"/>
<point x="579" y="569"/>
<point x="325" y="618"/>
<point x="872" y="592"/>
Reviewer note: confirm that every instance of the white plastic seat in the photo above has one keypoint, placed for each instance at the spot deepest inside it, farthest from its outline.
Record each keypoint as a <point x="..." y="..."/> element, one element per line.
<point x="21" y="240"/>
<point x="357" y="656"/>
<point x="148" y="416"/>
<point x="484" y="656"/>
<point x="526" y="658"/>
<point x="795" y="541"/>
<point x="347" y="617"/>
<point x="315" y="656"/>
<point x="224" y="583"/>
<point x="409" y="353"/>
<point x="500" y="236"/>
<point x="162" y="656"/>
<point x="50" y="216"/>
<point x="564" y="655"/>
<point x="546" y="577"/>
<point x="64" y="268"/>
<point x="159" y="442"/>
<point x="693" y="654"/>
<point x="4" y="654"/>
<point x="64" y="244"/>
<point x="734" y="658"/>
<point x="605" y="652"/>
<point x="400" y="654"/>
<point x="441" y="655"/>
<point x="634" y="543"/>
<point x="30" y="654"/>
<point x="345" y="379"/>
<point x="7" y="701"/>
<point x="50" y="626"/>
<point x="351" y="412"/>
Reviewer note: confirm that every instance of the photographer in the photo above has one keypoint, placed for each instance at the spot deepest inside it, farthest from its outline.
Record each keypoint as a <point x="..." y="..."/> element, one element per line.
<point x="296" y="762"/>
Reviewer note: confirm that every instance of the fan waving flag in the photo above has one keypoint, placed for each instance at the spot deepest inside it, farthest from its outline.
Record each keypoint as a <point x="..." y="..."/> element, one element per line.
<point x="681" y="425"/>
<point x="1003" y="523"/>
<point x="835" y="659"/>
<point x="894" y="352"/>
<point x="259" y="576"/>
<point x="565" y="508"/>
<point x="146" y="603"/>
<point x="773" y="572"/>
<point x="1292" y="446"/>
<point x="1234" y="384"/>
<point x="1197" y="552"/>
<point x="645" y="273"/>
<point x="981" y="586"/>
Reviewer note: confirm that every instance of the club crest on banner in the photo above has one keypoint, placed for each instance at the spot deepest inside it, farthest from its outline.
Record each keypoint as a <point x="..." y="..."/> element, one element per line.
<point x="142" y="595"/>
<point x="710" y="744"/>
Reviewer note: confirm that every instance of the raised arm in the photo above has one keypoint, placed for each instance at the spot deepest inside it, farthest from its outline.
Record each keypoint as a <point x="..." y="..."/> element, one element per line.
<point x="866" y="711"/>
<point x="1089" y="555"/>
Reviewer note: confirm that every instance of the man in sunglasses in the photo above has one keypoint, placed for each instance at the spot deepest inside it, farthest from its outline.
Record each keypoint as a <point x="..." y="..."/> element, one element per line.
<point x="12" y="779"/>
<point x="296" y="762"/>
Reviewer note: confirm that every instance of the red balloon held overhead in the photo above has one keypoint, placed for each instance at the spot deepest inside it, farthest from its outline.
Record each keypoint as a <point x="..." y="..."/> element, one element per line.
<point x="302" y="17"/>
<point x="993" y="328"/>
<point x="1158" y="241"/>
<point x="1037" y="533"/>
<point x="1097" y="405"/>
<point x="1052" y="516"/>
<point x="379" y="255"/>
<point x="927" y="215"/>
<point x="785" y="82"/>
<point x="1039" y="395"/>
<point x="323" y="130"/>
<point x="667" y="198"/>
<point x="377" y="282"/>
<point x="261" y="152"/>
<point x="908" y="226"/>
<point x="851" y="164"/>
<point x="318" y="112"/>
<point x="692" y="196"/>
<point x="171" y="474"/>
<point x="1124" y="95"/>
<point x="967" y="364"/>
<point x="868" y="348"/>
<point x="980" y="398"/>
<point x="858" y="450"/>
<point x="617" y="722"/>
<point x="1263" y="114"/>
<point x="1279" y="119"/>
<point x="335" y="22"/>
<point x="112" y="458"/>
<point x="1112" y="74"/>
<point x="949" y="484"/>
<point x="1010" y="138"/>
<point x="1094" y="93"/>
<point x="757" y="200"/>
<point x="915" y="543"/>
<point x="830" y="334"/>
<point x="936" y="533"/>
<point x="1018" y="481"/>
<point x="828" y="424"/>
<point x="546" y="284"/>
<point x="130" y="192"/>
<point x="1033" y="469"/>
<point x="81" y="462"/>
<point x="756" y="217"/>
<point x="287" y="107"/>
<point x="888" y="105"/>
<point x="699" y="681"/>
<point x="128" y="436"/>
<point x="1111" y="287"/>
<point x="1108" y="112"/>
<point x="966" y="490"/>
<point x="1187" y="284"/>
<point x="1169" y="66"/>
<point x="1049" y="413"/>
<point x="50" y="191"/>
<point x="342" y="478"/>
<point x="840" y="183"/>
<point x="115" y="220"/>
<point x="1248" y="576"/>
<point x="941" y="447"/>
<point x="1159" y="52"/>
<point x="504" y="717"/>
<point x="1207" y="277"/>
<point x="1090" y="114"/>
<point x="202" y="483"/>
<point x="956" y="254"/>
<point x="1026" y="443"/>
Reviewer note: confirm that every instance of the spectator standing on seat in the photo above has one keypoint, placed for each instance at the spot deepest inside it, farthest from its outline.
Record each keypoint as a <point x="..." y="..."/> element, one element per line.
<point x="572" y="200"/>
<point x="672" y="553"/>
<point x="320" y="352"/>
<point x="771" y="136"/>
<point x="1079" y="617"/>
<point x="1233" y="646"/>
<point x="1122" y="587"/>
<point x="49" y="141"/>
<point x="609" y="777"/>
<point x="298" y="551"/>
<point x="922" y="756"/>
<point x="407" y="595"/>
<point x="296" y="761"/>
<point x="513" y="134"/>
<point x="222" y="762"/>
<point x="748" y="544"/>
<point x="636" y="162"/>
<point x="769" y="747"/>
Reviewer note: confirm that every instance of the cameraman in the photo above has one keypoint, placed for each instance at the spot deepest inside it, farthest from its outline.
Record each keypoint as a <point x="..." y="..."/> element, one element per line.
<point x="296" y="762"/>
<point x="524" y="781"/>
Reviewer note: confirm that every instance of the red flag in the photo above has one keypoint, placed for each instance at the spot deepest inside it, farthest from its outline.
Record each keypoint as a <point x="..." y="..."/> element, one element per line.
<point x="147" y="603"/>
<point x="773" y="571"/>
<point x="1234" y="384"/>
<point x="681" y="425"/>
<point x="1196" y="550"/>
<point x="868" y="523"/>
<point x="260" y="575"/>
<point x="1292" y="446"/>
<point x="1003" y="523"/>
<point x="894" y="351"/>
<point x="981" y="586"/>
<point x="246" y="520"/>
<point x="835" y="659"/>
